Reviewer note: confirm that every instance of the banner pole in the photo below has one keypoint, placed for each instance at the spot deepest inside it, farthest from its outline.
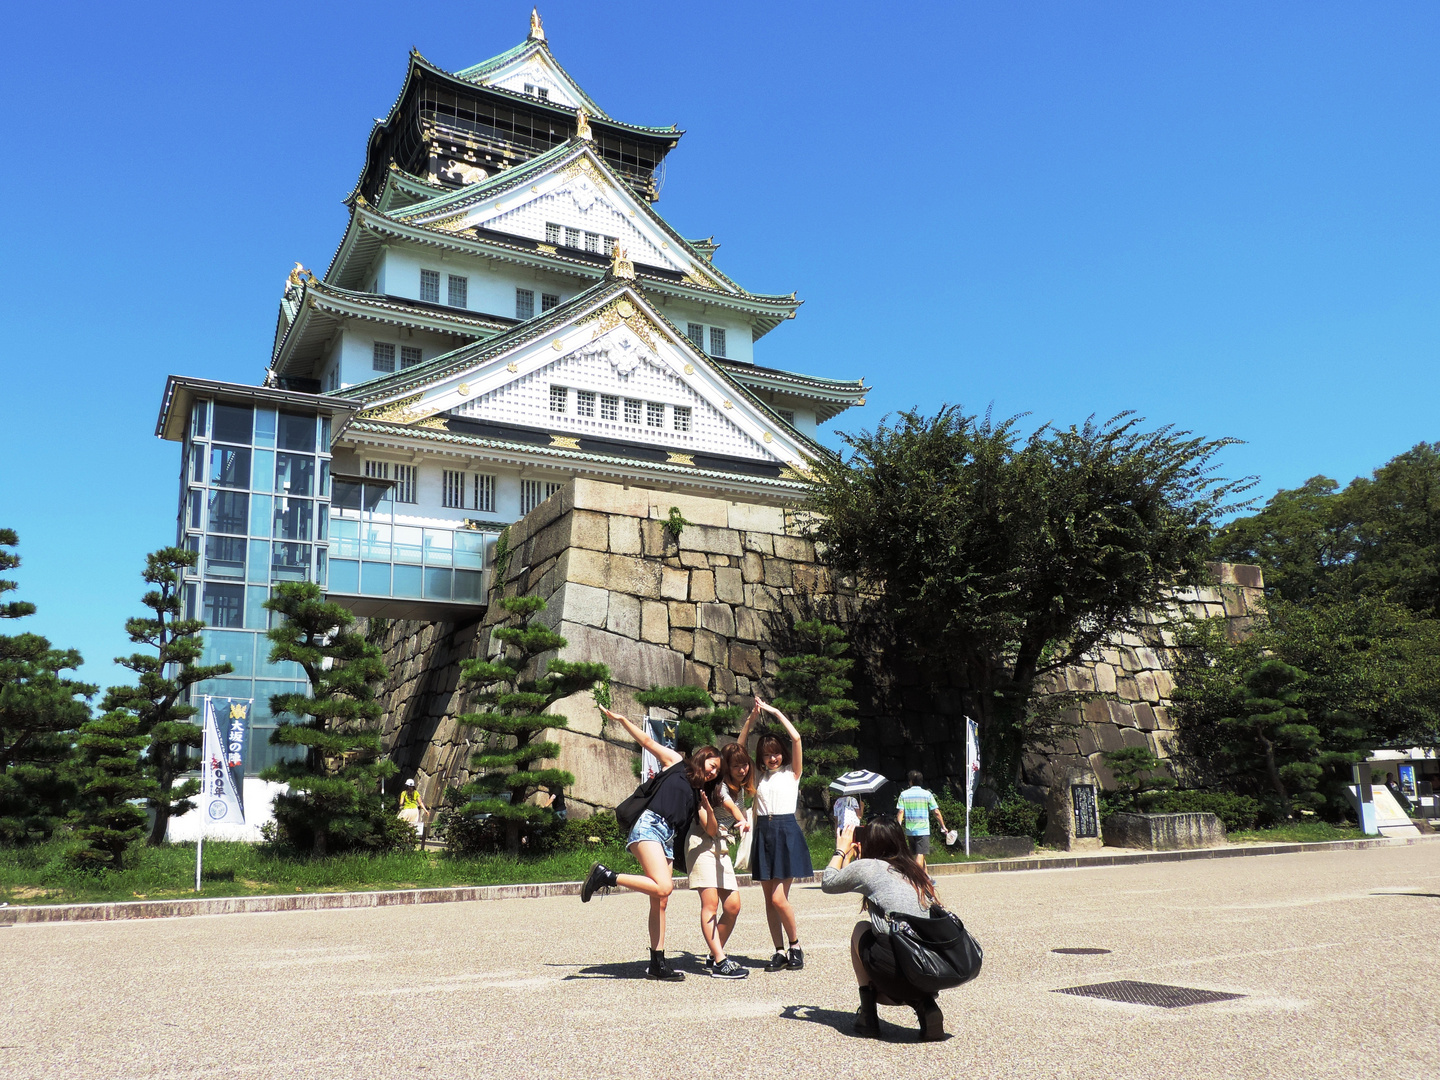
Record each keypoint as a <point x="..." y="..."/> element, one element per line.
<point x="967" y="832"/>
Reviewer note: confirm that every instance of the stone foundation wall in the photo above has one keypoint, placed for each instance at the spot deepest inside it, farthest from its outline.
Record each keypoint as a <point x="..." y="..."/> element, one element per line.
<point x="710" y="608"/>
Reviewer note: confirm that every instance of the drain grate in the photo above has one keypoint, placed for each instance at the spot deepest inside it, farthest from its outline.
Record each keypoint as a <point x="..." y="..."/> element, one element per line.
<point x="1081" y="952"/>
<point x="1143" y="993"/>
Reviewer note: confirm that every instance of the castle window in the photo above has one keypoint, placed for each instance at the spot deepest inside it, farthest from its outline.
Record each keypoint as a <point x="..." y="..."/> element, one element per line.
<point x="485" y="493"/>
<point x="452" y="489"/>
<point x="405" y="483"/>
<point x="682" y="417"/>
<point x="717" y="341"/>
<point x="574" y="237"/>
<point x="654" y="414"/>
<point x="383" y="358"/>
<point x="552" y="233"/>
<point x="459" y="291"/>
<point x="430" y="286"/>
<point x="696" y="333"/>
<point x="584" y="402"/>
<point x="377" y="470"/>
<point x="549" y="301"/>
<point x="559" y="398"/>
<point x="409" y="356"/>
<point x="543" y="91"/>
<point x="609" y="407"/>
<point x="524" y="303"/>
<point x="788" y="415"/>
<point x="530" y="89"/>
<point x="534" y="492"/>
<point x="632" y="411"/>
<point x="593" y="241"/>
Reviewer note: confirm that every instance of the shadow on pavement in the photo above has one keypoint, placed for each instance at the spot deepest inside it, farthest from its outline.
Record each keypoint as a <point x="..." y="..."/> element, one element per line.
<point x="844" y="1023"/>
<point x="631" y="969"/>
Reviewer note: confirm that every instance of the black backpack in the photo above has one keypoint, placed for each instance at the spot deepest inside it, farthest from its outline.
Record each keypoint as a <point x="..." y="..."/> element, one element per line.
<point x="934" y="952"/>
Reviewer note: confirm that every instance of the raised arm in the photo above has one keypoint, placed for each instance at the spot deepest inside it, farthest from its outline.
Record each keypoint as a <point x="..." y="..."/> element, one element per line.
<point x="664" y="754"/>
<point x="744" y="735"/>
<point x="795" y="748"/>
<point x="706" y="814"/>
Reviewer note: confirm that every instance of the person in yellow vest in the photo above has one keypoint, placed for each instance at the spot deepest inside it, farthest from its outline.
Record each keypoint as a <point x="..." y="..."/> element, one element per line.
<point x="412" y="807"/>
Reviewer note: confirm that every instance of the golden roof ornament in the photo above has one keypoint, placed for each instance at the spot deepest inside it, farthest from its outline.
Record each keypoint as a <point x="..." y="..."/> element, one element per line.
<point x="299" y="275"/>
<point x="620" y="265"/>
<point x="537" y="32"/>
<point x="582" y="126"/>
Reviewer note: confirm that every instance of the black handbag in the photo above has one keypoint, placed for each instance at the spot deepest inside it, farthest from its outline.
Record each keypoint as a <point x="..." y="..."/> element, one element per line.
<point x="934" y="952"/>
<point x="629" y="811"/>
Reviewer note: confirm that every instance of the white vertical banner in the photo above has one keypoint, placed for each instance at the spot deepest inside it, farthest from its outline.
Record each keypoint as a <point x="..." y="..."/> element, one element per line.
<point x="222" y="758"/>
<point x="972" y="771"/>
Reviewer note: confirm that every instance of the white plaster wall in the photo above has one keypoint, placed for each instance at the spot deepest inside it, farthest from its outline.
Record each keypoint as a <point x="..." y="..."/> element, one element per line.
<point x="492" y="284"/>
<point x="356" y="349"/>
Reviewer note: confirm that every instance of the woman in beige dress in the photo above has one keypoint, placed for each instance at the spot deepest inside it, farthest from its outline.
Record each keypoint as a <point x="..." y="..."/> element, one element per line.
<point x="719" y="822"/>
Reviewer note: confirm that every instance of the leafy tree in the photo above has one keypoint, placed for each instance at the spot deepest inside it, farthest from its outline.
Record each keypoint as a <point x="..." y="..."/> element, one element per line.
<point x="1000" y="559"/>
<point x="701" y="723"/>
<point x="1137" y="772"/>
<point x="334" y="799"/>
<point x="812" y="689"/>
<point x="158" y="700"/>
<point x="514" y="720"/>
<point x="107" y="822"/>
<point x="1301" y="539"/>
<point x="40" y="709"/>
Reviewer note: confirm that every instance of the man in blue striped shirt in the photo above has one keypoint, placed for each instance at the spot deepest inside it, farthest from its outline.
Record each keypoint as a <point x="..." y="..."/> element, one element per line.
<point x="914" y="808"/>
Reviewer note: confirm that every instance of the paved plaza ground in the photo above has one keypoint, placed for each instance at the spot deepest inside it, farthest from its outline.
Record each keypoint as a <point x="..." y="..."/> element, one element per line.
<point x="1337" y="955"/>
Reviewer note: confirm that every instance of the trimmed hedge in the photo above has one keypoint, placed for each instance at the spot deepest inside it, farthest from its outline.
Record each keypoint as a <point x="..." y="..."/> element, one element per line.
<point x="1236" y="812"/>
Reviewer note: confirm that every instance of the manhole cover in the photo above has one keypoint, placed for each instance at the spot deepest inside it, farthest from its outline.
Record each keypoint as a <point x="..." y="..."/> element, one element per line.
<point x="1143" y="993"/>
<point x="1081" y="952"/>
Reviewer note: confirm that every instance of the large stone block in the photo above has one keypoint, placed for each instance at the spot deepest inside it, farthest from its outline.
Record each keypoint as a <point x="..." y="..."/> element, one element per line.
<point x="729" y="585"/>
<point x="624" y="536"/>
<point x="610" y="498"/>
<point x="752" y="567"/>
<point x="762" y="543"/>
<point x="580" y="710"/>
<point x="1104" y="678"/>
<point x="639" y="577"/>
<point x="770" y="519"/>
<point x="624" y="615"/>
<point x="748" y="624"/>
<point x="657" y="540"/>
<point x="745" y="660"/>
<point x="794" y="548"/>
<point x="633" y="663"/>
<point x="590" y="530"/>
<point x="682" y="614"/>
<point x="578" y="603"/>
<point x="585" y="567"/>
<point x="716" y="617"/>
<point x="1164" y="832"/>
<point x="778" y="573"/>
<point x="710" y="648"/>
<point x="682" y="641"/>
<point x="674" y="584"/>
<point x="713" y="541"/>
<point x="702" y="586"/>
<point x="602" y="769"/>
<point x="655" y="622"/>
<point x="693" y="508"/>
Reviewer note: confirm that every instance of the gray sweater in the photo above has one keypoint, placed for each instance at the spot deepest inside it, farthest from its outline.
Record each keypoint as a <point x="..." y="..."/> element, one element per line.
<point x="884" y="889"/>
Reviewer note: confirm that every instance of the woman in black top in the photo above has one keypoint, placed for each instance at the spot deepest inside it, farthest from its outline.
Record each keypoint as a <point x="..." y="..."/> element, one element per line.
<point x="652" y="840"/>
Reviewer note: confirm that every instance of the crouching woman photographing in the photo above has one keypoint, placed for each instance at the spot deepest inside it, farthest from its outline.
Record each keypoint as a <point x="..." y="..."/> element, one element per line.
<point x="895" y="890"/>
<point x="673" y="797"/>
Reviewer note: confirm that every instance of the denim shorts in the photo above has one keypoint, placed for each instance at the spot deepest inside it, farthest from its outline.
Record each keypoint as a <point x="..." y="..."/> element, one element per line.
<point x="651" y="826"/>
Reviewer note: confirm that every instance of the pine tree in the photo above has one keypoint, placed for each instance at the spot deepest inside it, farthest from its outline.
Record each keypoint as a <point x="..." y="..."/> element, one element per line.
<point x="700" y="722"/>
<point x="334" y="800"/>
<point x="811" y="690"/>
<point x="107" y="822"/>
<point x="158" y="699"/>
<point x="39" y="711"/>
<point x="514" y="721"/>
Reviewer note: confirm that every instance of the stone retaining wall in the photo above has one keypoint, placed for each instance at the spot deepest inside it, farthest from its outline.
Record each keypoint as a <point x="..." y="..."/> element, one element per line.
<point x="709" y="608"/>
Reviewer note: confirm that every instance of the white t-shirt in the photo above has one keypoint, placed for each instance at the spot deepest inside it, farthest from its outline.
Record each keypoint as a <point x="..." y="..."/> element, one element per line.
<point x="777" y="792"/>
<point x="847" y="812"/>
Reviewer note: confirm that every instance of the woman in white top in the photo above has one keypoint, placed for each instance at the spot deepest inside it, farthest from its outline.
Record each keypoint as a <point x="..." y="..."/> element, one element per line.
<point x="779" y="853"/>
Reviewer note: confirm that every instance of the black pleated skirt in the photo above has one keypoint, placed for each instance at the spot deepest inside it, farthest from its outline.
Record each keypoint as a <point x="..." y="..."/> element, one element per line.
<point x="779" y="849"/>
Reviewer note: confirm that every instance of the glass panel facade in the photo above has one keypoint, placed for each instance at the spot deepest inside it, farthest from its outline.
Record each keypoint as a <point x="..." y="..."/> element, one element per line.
<point x="224" y="557"/>
<point x="230" y="467"/>
<point x="293" y="519"/>
<point x="297" y="432"/>
<point x="229" y="512"/>
<point x="233" y="423"/>
<point x="264" y="427"/>
<point x="294" y="474"/>
<point x="289" y="562"/>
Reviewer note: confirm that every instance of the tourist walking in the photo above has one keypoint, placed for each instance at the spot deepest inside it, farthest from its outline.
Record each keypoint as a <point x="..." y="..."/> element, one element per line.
<point x="412" y="807"/>
<point x="673" y="800"/>
<point x="890" y="879"/>
<point x="719" y="821"/>
<point x="914" y="808"/>
<point x="779" y="853"/>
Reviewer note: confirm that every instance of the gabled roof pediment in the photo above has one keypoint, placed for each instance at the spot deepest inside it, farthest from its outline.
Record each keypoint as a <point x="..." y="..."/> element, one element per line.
<point x="532" y="66"/>
<point x="607" y="343"/>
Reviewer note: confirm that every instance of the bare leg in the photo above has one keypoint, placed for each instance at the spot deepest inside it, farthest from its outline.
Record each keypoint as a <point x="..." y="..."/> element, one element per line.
<point x="709" y="904"/>
<point x="862" y="977"/>
<point x="921" y="860"/>
<point x="656" y="883"/>
<point x="730" y="911"/>
<point x="778" y="912"/>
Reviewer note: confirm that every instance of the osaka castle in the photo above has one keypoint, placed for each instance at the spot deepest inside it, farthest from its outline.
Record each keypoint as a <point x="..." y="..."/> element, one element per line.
<point x="506" y="310"/>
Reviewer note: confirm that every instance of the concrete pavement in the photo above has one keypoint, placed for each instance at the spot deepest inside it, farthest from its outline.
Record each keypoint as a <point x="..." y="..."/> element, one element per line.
<point x="1334" y="952"/>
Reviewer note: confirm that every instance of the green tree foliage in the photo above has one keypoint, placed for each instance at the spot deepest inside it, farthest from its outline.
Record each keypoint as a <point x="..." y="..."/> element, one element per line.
<point x="700" y="721"/>
<point x="1372" y="678"/>
<point x="514" y="720"/>
<point x="1378" y="537"/>
<point x="1001" y="558"/>
<point x="334" y="800"/>
<point x="812" y="689"/>
<point x="164" y="677"/>
<point x="40" y="710"/>
<point x="108" y="823"/>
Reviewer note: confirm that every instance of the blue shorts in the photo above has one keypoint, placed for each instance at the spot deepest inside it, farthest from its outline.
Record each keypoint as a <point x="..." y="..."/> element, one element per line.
<point x="652" y="826"/>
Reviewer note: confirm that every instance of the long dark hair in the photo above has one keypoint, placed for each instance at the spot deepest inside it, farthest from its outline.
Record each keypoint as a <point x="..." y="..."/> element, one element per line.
<point x="695" y="764"/>
<point x="885" y="840"/>
<point x="732" y="754"/>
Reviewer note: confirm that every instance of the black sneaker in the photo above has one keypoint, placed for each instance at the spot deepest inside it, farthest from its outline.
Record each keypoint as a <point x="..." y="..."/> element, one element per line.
<point x="778" y="962"/>
<point x="728" y="969"/>
<point x="797" y="958"/>
<point x="709" y="963"/>
<point x="598" y="878"/>
<point x="661" y="971"/>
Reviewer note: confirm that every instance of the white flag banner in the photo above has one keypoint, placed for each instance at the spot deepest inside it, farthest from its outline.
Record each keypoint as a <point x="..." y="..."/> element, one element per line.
<point x="972" y="760"/>
<point x="222" y="775"/>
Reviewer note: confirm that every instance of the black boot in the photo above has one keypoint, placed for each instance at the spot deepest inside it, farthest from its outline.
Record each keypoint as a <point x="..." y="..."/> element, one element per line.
<point x="932" y="1020"/>
<point x="599" y="877"/>
<point x="660" y="968"/>
<point x="867" y="1020"/>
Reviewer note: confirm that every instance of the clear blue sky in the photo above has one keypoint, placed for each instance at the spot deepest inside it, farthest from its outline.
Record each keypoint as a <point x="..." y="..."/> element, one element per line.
<point x="1222" y="215"/>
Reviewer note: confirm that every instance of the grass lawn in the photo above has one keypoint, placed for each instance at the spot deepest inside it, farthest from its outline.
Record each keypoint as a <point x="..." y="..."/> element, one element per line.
<point x="39" y="876"/>
<point x="1304" y="832"/>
